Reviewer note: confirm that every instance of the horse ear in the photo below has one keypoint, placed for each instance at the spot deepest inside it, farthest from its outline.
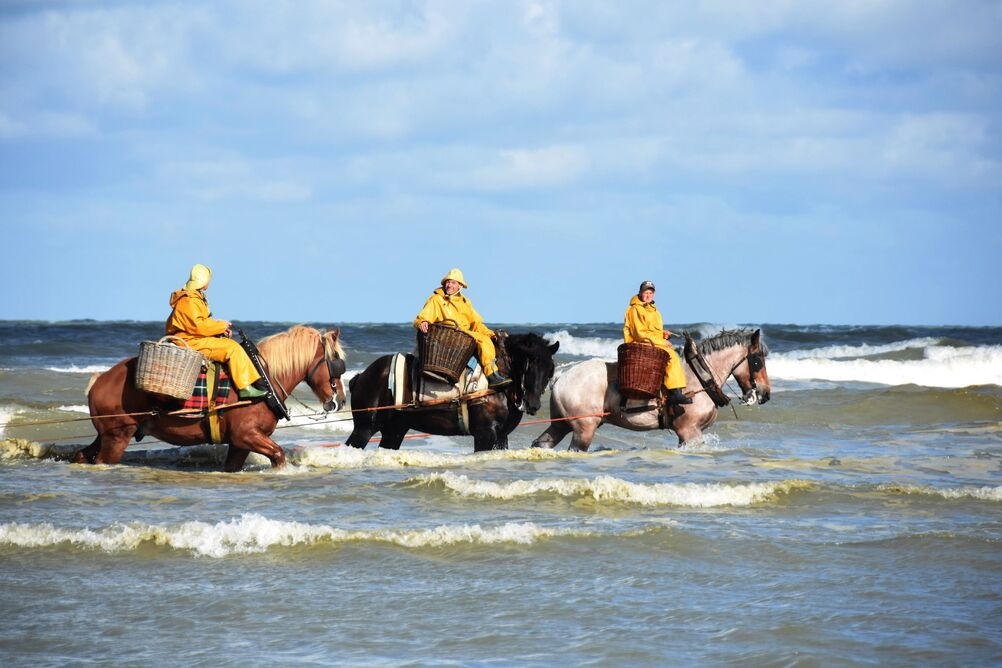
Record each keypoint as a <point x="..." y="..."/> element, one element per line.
<point x="553" y="348"/>
<point x="337" y="333"/>
<point x="756" y="337"/>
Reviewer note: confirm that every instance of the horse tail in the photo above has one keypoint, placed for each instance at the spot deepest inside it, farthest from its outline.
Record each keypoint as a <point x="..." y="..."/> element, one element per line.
<point x="90" y="383"/>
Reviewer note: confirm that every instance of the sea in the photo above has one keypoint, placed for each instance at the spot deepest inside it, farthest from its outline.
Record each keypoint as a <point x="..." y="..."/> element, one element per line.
<point x="854" y="519"/>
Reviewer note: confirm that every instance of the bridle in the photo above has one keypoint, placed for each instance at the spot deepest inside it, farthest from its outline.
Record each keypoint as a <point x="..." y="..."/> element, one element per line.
<point x="335" y="366"/>
<point x="756" y="362"/>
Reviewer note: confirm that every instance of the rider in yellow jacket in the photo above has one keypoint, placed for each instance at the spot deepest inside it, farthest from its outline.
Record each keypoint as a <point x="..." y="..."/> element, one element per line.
<point x="191" y="320"/>
<point x="643" y="323"/>
<point x="447" y="303"/>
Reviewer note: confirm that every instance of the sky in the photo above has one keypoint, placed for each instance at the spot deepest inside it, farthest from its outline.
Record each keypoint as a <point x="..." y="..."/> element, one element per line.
<point x="775" y="161"/>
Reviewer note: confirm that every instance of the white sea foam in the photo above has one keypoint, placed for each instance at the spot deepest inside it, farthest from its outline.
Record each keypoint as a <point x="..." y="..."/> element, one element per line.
<point x="252" y="533"/>
<point x="6" y="414"/>
<point x="584" y="346"/>
<point x="943" y="366"/>
<point x="76" y="408"/>
<point x="608" y="488"/>
<point x="863" y="350"/>
<point x="985" y="493"/>
<point x="346" y="457"/>
<point x="73" y="368"/>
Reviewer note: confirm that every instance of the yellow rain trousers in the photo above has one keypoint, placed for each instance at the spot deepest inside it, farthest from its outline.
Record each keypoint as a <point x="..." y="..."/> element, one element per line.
<point x="457" y="308"/>
<point x="190" y="320"/>
<point x="643" y="323"/>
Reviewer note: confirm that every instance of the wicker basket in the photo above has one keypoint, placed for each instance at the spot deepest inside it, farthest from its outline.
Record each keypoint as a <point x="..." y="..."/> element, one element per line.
<point x="166" y="368"/>
<point x="641" y="369"/>
<point x="445" y="351"/>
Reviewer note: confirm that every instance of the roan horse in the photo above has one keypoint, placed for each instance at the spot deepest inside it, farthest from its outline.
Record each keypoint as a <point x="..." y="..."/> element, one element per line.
<point x="589" y="389"/>
<point x="119" y="410"/>
<point x="491" y="418"/>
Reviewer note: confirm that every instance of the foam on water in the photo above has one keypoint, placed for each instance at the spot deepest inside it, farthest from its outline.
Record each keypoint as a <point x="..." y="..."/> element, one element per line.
<point x="90" y="368"/>
<point x="984" y="493"/>
<point x="864" y="350"/>
<point x="345" y="457"/>
<point x="943" y="366"/>
<point x="252" y="533"/>
<point x="609" y="488"/>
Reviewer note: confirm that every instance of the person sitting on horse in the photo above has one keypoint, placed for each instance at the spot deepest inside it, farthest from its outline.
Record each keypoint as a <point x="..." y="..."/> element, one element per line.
<point x="191" y="321"/>
<point x="643" y="323"/>
<point x="447" y="303"/>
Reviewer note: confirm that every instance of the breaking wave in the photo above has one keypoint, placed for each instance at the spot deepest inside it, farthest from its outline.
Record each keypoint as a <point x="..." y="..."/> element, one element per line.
<point x="608" y="488"/>
<point x="252" y="533"/>
<point x="984" y="493"/>
<point x="942" y="366"/>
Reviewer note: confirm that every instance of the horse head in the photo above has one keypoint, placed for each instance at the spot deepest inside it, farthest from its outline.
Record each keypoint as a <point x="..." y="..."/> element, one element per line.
<point x="531" y="368"/>
<point x="304" y="353"/>
<point x="751" y="373"/>
<point x="328" y="386"/>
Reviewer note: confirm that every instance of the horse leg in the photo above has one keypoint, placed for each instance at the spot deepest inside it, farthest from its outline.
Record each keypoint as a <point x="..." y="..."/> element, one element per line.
<point x="235" y="458"/>
<point x="88" y="455"/>
<point x="113" y="443"/>
<point x="392" y="437"/>
<point x="360" y="436"/>
<point x="260" y="443"/>
<point x="687" y="433"/>
<point x="584" y="432"/>
<point x="553" y="435"/>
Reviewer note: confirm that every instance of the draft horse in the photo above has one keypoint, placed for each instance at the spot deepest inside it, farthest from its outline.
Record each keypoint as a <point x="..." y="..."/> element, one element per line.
<point x="120" y="411"/>
<point x="589" y="388"/>
<point x="491" y="418"/>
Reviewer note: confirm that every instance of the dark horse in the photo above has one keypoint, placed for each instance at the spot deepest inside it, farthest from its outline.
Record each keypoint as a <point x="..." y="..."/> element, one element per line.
<point x="491" y="418"/>
<point x="119" y="410"/>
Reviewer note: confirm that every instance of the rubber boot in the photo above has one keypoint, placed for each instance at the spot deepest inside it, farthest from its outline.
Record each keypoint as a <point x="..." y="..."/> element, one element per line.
<point x="497" y="380"/>
<point x="255" y="390"/>
<point x="676" y="397"/>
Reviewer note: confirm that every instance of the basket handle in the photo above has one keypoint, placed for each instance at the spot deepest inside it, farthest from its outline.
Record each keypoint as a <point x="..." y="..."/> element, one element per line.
<point x="174" y="339"/>
<point x="454" y="325"/>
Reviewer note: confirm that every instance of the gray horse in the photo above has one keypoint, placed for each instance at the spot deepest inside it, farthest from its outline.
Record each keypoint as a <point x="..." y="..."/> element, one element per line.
<point x="589" y="389"/>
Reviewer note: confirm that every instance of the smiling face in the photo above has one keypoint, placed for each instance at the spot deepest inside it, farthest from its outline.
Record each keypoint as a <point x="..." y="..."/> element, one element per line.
<point x="451" y="286"/>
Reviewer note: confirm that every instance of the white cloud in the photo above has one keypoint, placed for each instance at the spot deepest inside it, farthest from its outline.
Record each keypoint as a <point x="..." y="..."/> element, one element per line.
<point x="235" y="179"/>
<point x="522" y="168"/>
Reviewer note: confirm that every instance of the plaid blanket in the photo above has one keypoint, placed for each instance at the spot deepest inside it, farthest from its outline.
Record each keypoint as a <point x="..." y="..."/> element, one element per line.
<point x="199" y="398"/>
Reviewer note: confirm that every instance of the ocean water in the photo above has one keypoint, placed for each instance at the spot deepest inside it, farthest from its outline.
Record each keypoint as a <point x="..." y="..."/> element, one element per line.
<point x="855" y="519"/>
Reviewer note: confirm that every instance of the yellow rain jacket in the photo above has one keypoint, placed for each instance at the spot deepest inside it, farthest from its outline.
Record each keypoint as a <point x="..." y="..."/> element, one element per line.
<point x="457" y="308"/>
<point x="643" y="323"/>
<point x="191" y="320"/>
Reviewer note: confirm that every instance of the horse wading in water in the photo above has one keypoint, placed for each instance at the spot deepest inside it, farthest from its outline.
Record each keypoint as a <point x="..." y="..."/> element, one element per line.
<point x="491" y="418"/>
<point x="120" y="411"/>
<point x="589" y="388"/>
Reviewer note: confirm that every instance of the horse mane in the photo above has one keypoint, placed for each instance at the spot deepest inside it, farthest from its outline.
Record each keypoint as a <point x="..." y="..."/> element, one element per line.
<point x="527" y="340"/>
<point x="728" y="338"/>
<point x="290" y="351"/>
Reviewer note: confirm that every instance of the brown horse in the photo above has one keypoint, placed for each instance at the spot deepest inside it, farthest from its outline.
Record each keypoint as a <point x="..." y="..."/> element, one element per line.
<point x="120" y="411"/>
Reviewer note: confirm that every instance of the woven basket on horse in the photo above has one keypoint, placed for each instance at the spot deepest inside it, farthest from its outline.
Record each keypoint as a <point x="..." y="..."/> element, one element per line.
<point x="166" y="368"/>
<point x="641" y="369"/>
<point x="445" y="351"/>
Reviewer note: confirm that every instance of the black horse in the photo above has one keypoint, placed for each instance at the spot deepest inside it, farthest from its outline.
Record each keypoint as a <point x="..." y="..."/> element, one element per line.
<point x="491" y="418"/>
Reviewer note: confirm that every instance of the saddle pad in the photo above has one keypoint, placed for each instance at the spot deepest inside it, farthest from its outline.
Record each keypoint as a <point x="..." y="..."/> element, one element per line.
<point x="199" y="399"/>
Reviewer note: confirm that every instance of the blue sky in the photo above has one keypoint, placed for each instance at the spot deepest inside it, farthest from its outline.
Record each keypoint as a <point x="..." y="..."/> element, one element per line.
<point x="762" y="162"/>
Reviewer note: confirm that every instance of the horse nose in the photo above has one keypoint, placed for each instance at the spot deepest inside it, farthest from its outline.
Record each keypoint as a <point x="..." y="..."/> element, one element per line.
<point x="764" y="396"/>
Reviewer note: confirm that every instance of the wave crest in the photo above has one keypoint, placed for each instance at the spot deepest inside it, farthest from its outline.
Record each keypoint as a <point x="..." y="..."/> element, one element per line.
<point x="609" y="488"/>
<point x="252" y="533"/>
